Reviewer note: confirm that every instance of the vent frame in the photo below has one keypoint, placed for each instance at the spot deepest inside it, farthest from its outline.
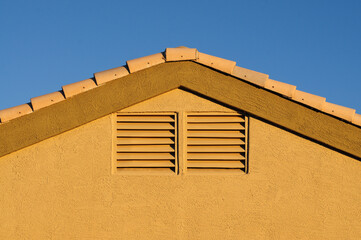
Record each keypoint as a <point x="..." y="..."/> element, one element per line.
<point x="199" y="142"/>
<point x="181" y="164"/>
<point x="125" y="165"/>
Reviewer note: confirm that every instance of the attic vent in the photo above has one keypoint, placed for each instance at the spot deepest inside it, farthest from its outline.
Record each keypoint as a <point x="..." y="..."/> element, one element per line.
<point x="145" y="143"/>
<point x="216" y="143"/>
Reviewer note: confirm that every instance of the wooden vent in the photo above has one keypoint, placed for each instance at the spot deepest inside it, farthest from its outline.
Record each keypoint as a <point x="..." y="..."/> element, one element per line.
<point x="216" y="143"/>
<point x="146" y="143"/>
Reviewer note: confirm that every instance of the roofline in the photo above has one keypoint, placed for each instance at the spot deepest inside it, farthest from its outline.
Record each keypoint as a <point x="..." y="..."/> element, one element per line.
<point x="182" y="54"/>
<point x="142" y="85"/>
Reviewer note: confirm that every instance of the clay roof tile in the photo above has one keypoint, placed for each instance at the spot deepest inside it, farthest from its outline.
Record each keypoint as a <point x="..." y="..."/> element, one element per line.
<point x="181" y="54"/>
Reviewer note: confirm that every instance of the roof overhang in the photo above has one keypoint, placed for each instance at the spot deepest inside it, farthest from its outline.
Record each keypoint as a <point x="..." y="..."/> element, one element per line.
<point x="150" y="82"/>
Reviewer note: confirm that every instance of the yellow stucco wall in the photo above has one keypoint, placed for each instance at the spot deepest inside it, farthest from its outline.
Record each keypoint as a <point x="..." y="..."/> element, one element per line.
<point x="63" y="188"/>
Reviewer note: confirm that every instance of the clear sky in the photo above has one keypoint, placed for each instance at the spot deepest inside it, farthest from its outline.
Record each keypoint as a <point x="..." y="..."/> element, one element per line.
<point x="313" y="44"/>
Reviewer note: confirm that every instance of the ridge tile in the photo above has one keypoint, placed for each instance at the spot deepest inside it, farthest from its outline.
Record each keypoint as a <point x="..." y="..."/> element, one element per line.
<point x="285" y="89"/>
<point x="309" y="99"/>
<point x="14" y="112"/>
<point x="145" y="62"/>
<point x="250" y="75"/>
<point x="181" y="53"/>
<point x="339" y="111"/>
<point x="78" y="87"/>
<point x="46" y="100"/>
<point x="109" y="75"/>
<point x="220" y="64"/>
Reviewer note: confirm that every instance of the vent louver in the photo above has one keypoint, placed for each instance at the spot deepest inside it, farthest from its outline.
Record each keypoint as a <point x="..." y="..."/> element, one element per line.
<point x="216" y="143"/>
<point x="146" y="143"/>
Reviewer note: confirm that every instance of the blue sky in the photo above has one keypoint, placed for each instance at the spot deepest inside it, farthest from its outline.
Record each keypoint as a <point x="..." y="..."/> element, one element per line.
<point x="315" y="45"/>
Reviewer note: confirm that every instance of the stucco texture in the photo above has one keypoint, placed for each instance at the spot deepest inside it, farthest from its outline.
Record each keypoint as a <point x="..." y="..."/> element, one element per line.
<point x="64" y="188"/>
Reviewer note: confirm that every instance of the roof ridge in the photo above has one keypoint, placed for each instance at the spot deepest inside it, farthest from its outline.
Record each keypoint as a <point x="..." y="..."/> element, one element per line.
<point x="184" y="54"/>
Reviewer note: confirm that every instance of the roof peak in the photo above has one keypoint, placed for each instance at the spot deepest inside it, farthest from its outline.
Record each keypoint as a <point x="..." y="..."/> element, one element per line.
<point x="73" y="109"/>
<point x="183" y="53"/>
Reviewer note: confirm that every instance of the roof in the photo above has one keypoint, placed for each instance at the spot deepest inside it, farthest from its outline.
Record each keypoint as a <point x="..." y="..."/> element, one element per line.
<point x="179" y="61"/>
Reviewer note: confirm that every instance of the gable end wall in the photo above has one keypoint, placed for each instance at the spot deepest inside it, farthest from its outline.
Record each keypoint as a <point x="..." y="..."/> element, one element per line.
<point x="63" y="188"/>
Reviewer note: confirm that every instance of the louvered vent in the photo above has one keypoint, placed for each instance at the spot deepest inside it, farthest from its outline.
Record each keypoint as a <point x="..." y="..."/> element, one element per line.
<point x="146" y="143"/>
<point x="216" y="143"/>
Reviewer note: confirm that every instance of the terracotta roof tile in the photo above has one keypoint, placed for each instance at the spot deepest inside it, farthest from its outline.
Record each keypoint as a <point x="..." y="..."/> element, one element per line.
<point x="46" y="100"/>
<point x="309" y="99"/>
<point x="250" y="76"/>
<point x="357" y="119"/>
<point x="180" y="54"/>
<point x="280" y="87"/>
<point x="220" y="64"/>
<point x="15" y="112"/>
<point x="145" y="62"/>
<point x="339" y="111"/>
<point x="78" y="87"/>
<point x="109" y="75"/>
